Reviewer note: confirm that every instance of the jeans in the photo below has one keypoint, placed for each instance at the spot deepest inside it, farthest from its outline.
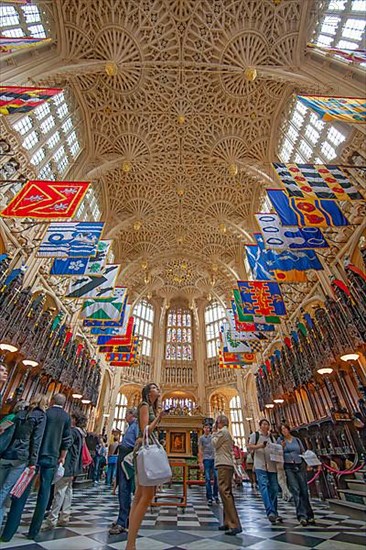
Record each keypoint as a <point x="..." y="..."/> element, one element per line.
<point x="111" y="472"/>
<point x="209" y="466"/>
<point x="268" y="488"/>
<point x="96" y="468"/>
<point x="10" y="472"/>
<point x="62" y="501"/>
<point x="124" y="496"/>
<point x="47" y="469"/>
<point x="296" y="479"/>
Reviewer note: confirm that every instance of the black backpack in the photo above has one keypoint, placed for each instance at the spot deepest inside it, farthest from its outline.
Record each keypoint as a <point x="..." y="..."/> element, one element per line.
<point x="257" y="438"/>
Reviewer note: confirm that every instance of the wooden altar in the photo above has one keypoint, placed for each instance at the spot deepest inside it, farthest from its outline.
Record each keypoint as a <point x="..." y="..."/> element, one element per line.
<point x="177" y="432"/>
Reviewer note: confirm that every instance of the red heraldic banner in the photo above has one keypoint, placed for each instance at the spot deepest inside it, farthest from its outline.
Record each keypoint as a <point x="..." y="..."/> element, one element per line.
<point x="14" y="99"/>
<point x="54" y="200"/>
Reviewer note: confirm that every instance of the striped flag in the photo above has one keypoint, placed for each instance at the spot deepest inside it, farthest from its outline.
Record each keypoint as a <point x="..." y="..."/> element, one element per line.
<point x="17" y="100"/>
<point x="23" y="481"/>
<point x="316" y="181"/>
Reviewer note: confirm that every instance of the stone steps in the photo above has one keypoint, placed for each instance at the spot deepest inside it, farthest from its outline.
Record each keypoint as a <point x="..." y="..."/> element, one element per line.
<point x="352" y="509"/>
<point x="359" y="497"/>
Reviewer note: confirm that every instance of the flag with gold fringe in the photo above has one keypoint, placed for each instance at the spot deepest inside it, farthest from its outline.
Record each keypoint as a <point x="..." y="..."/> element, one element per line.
<point x="55" y="200"/>
<point x="10" y="44"/>
<point x="122" y="321"/>
<point x="306" y="212"/>
<point x="316" y="181"/>
<point x="71" y="240"/>
<point x="93" y="265"/>
<point x="245" y="318"/>
<point x="107" y="309"/>
<point x="20" y="99"/>
<point x="354" y="56"/>
<point x="288" y="266"/>
<point x="281" y="237"/>
<point x="261" y="298"/>
<point x="345" y="109"/>
<point x="90" y="286"/>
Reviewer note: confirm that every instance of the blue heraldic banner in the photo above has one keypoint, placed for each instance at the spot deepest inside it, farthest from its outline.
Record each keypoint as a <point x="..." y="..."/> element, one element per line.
<point x="261" y="298"/>
<point x="71" y="240"/>
<point x="306" y="212"/>
<point x="293" y="238"/>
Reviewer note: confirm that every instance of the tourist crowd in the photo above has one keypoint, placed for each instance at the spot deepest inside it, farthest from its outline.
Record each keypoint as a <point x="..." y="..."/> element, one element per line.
<point x="36" y="439"/>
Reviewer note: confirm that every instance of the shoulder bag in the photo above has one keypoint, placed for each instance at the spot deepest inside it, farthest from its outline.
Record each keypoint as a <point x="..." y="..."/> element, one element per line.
<point x="153" y="466"/>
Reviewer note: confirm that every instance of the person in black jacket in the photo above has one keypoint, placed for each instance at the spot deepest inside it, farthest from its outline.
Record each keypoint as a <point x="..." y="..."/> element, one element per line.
<point x="73" y="467"/>
<point x="55" y="443"/>
<point x="27" y="433"/>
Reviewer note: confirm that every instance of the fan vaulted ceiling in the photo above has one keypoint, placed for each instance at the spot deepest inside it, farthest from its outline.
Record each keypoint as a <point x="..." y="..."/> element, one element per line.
<point x="180" y="137"/>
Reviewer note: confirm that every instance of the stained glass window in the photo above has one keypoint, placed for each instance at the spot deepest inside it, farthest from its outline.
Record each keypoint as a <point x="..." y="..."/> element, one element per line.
<point x="179" y="335"/>
<point x="214" y="316"/>
<point x="237" y="424"/>
<point x="120" y="412"/>
<point x="143" y="314"/>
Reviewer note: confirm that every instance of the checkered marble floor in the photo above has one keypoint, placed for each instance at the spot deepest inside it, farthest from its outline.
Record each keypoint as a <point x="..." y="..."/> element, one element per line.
<point x="193" y="529"/>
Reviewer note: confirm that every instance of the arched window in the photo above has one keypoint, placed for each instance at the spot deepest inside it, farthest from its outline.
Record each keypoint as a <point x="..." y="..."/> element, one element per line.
<point x="120" y="412"/>
<point x="237" y="424"/>
<point x="214" y="317"/>
<point x="179" y="335"/>
<point x="143" y="314"/>
<point x="49" y="133"/>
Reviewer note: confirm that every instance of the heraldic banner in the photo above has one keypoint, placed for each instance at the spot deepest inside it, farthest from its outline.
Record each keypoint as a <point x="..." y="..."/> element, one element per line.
<point x="316" y="181"/>
<point x="47" y="200"/>
<point x="15" y="99"/>
<point x="345" y="109"/>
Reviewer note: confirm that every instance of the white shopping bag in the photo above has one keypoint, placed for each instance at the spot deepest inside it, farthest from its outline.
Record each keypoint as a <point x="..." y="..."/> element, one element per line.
<point x="60" y="472"/>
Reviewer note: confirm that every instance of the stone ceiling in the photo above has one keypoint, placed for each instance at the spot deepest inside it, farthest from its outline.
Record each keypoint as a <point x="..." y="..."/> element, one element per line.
<point x="179" y="136"/>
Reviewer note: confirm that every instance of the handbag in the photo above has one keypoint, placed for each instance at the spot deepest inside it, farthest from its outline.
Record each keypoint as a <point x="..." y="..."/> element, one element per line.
<point x="86" y="458"/>
<point x="153" y="466"/>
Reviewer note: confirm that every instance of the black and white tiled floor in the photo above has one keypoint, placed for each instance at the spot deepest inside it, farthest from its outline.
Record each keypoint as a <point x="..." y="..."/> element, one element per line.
<point x="195" y="529"/>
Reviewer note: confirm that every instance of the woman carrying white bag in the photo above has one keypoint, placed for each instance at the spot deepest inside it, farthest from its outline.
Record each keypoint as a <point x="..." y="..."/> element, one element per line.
<point x="152" y="466"/>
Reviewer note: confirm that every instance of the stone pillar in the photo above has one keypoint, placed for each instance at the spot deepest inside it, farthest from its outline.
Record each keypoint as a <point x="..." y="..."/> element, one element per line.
<point x="200" y="356"/>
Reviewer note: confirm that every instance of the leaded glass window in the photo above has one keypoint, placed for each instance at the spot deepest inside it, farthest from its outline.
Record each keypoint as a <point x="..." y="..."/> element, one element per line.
<point x="237" y="424"/>
<point x="143" y="314"/>
<point x="342" y="25"/>
<point x="214" y="317"/>
<point x="306" y="138"/>
<point x="179" y="335"/>
<point x="120" y="412"/>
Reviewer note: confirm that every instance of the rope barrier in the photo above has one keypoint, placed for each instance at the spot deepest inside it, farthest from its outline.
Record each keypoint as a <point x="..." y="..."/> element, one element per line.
<point x="334" y="471"/>
<point x="315" y="477"/>
<point x="344" y="472"/>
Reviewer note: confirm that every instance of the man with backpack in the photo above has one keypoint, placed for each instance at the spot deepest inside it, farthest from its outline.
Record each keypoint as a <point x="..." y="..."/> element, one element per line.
<point x="265" y="469"/>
